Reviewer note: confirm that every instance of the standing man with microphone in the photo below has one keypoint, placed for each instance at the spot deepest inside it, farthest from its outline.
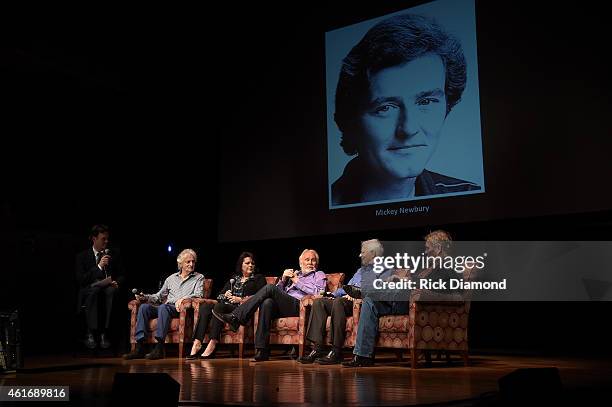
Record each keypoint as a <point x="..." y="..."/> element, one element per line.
<point x="99" y="275"/>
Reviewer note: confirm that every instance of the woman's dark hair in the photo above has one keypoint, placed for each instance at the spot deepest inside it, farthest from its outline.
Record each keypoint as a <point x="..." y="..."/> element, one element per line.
<point x="394" y="41"/>
<point x="241" y="258"/>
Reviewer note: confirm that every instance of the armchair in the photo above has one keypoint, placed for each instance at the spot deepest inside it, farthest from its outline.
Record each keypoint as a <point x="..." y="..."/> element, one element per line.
<point x="435" y="322"/>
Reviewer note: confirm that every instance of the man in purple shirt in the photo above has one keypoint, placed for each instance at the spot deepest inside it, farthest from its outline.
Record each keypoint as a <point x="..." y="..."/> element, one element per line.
<point x="278" y="301"/>
<point x="339" y="308"/>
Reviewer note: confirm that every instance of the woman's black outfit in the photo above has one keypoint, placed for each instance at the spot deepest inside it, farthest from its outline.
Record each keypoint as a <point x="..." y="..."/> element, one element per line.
<point x="239" y="289"/>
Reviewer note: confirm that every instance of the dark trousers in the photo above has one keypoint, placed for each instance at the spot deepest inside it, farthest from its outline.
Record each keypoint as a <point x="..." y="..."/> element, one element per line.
<point x="338" y="308"/>
<point x="206" y="320"/>
<point x="92" y="296"/>
<point x="272" y="302"/>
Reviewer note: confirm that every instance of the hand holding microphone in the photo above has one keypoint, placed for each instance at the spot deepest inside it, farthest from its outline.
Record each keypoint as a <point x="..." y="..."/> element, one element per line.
<point x="228" y="293"/>
<point x="105" y="259"/>
<point x="140" y="296"/>
<point x="288" y="274"/>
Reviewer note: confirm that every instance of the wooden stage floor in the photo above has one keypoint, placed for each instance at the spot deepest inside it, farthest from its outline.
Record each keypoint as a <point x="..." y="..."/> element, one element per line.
<point x="233" y="381"/>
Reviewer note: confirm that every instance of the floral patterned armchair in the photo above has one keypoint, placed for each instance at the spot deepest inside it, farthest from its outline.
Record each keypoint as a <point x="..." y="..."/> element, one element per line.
<point x="435" y="322"/>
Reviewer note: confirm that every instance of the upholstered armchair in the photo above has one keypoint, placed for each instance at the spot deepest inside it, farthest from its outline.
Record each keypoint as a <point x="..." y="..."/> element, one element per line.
<point x="435" y="322"/>
<point x="243" y="336"/>
<point x="181" y="328"/>
<point x="292" y="330"/>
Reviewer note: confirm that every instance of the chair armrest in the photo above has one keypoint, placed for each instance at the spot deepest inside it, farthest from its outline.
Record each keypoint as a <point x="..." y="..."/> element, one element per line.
<point x="133" y="305"/>
<point x="306" y="301"/>
<point x="356" y="311"/>
<point x="186" y="305"/>
<point x="197" y="301"/>
<point x="195" y="304"/>
<point x="305" y="305"/>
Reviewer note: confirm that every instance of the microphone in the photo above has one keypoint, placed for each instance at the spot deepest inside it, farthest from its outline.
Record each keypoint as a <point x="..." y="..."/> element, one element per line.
<point x="136" y="292"/>
<point x="286" y="279"/>
<point x="232" y="281"/>
<point x="105" y="252"/>
<point x="327" y="294"/>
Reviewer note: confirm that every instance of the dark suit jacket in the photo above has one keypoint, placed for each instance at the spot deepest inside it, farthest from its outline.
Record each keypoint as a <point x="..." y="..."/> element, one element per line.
<point x="87" y="271"/>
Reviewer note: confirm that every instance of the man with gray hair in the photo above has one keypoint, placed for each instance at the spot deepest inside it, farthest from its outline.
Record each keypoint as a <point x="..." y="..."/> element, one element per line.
<point x="339" y="306"/>
<point x="166" y="304"/>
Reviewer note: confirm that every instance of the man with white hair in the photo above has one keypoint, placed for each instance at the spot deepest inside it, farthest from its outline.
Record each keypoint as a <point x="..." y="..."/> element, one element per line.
<point x="339" y="308"/>
<point x="166" y="304"/>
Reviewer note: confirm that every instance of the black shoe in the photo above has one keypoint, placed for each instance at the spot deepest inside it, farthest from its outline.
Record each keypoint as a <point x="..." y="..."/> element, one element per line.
<point x="352" y="291"/>
<point x="261" y="355"/>
<point x="195" y="356"/>
<point x="311" y="356"/>
<point x="332" y="358"/>
<point x="104" y="343"/>
<point x="157" y="353"/>
<point x="137" y="353"/>
<point x="211" y="356"/>
<point x="359" y="361"/>
<point x="228" y="319"/>
<point x="90" y="342"/>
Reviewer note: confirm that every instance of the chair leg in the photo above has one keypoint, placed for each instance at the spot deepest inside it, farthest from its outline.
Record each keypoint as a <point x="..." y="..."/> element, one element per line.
<point x="132" y="347"/>
<point x="180" y="350"/>
<point x="301" y="350"/>
<point x="413" y="358"/>
<point x="241" y="350"/>
<point x="466" y="358"/>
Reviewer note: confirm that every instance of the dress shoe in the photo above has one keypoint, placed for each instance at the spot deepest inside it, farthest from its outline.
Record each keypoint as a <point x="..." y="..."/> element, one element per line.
<point x="197" y="353"/>
<point x="314" y="354"/>
<point x="352" y="291"/>
<point x="158" y="352"/>
<point x="211" y="356"/>
<point x="90" y="342"/>
<point x="261" y="355"/>
<point x="195" y="356"/>
<point x="228" y="319"/>
<point x="137" y="353"/>
<point x="359" y="361"/>
<point x="104" y="343"/>
<point x="332" y="358"/>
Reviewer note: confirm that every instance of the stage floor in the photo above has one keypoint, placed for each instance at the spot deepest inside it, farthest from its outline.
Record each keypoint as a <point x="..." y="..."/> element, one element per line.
<point x="233" y="381"/>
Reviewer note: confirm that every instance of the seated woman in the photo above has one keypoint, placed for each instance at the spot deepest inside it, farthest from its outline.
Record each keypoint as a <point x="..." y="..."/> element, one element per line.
<point x="245" y="284"/>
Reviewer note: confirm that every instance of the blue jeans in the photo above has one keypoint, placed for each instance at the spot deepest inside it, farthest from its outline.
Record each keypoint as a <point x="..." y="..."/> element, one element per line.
<point x="164" y="314"/>
<point x="367" y="330"/>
